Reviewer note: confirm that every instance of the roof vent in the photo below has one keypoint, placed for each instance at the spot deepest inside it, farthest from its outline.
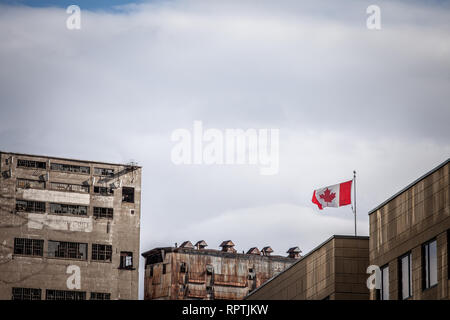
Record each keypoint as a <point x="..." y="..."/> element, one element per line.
<point x="266" y="251"/>
<point x="200" y="245"/>
<point x="227" y="246"/>
<point x="254" y="250"/>
<point x="187" y="244"/>
<point x="294" y="252"/>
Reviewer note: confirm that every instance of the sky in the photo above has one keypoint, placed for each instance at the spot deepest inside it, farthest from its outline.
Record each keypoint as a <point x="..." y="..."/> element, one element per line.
<point x="343" y="98"/>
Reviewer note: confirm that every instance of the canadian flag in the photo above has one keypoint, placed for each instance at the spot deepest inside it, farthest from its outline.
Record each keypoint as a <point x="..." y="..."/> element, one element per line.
<point x="333" y="196"/>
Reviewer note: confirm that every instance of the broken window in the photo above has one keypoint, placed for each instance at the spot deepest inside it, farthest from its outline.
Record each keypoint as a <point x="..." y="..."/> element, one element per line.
<point x="26" y="294"/>
<point x="70" y="168"/>
<point x="126" y="260"/>
<point x="27" y="183"/>
<point x="183" y="267"/>
<point x="104" y="191"/>
<point x="101" y="252"/>
<point x="64" y="295"/>
<point x="128" y="194"/>
<point x="69" y="187"/>
<point x="68" y="209"/>
<point x="103" y="172"/>
<point x="29" y="247"/>
<point x="67" y="250"/>
<point x="100" y="296"/>
<point x="103" y="212"/>
<point x="31" y="164"/>
<point x="30" y="206"/>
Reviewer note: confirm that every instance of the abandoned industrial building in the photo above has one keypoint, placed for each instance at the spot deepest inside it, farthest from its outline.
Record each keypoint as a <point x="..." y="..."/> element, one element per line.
<point x="410" y="239"/>
<point x="194" y="272"/>
<point x="334" y="270"/>
<point x="69" y="228"/>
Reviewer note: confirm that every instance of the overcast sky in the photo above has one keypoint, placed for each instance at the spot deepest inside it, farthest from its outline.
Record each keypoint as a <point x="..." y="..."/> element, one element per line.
<point x="343" y="97"/>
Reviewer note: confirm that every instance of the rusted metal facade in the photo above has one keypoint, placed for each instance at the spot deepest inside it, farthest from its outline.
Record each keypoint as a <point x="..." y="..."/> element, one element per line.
<point x="189" y="272"/>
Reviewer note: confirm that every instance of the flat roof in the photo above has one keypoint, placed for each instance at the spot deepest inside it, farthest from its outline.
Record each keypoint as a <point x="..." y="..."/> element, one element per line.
<point x="410" y="185"/>
<point x="336" y="236"/>
<point x="212" y="252"/>
<point x="67" y="159"/>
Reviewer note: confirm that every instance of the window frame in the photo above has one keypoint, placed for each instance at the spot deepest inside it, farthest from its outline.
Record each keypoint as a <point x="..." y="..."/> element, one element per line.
<point x="99" y="250"/>
<point x="127" y="195"/>
<point x="400" y="276"/>
<point x="383" y="272"/>
<point x="123" y="256"/>
<point x="20" y="244"/>
<point x="19" y="293"/>
<point x="426" y="264"/>
<point x="67" y="251"/>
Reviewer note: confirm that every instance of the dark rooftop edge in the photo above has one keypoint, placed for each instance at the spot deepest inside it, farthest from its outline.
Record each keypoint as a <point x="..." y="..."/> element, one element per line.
<point x="67" y="159"/>
<point x="409" y="186"/>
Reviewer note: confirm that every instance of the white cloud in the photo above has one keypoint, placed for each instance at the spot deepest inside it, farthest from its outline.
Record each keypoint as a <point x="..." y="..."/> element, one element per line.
<point x="343" y="97"/>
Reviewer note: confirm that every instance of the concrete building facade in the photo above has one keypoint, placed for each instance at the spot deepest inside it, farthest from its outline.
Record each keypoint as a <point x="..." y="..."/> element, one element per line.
<point x="69" y="229"/>
<point x="193" y="272"/>
<point x="410" y="239"/>
<point x="335" y="270"/>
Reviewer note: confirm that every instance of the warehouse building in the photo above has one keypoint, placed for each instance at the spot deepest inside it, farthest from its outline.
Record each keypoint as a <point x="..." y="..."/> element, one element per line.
<point x="69" y="228"/>
<point x="410" y="239"/>
<point x="334" y="270"/>
<point x="194" y="272"/>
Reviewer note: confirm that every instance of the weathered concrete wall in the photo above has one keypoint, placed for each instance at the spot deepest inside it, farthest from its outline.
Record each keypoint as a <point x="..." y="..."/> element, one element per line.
<point x="420" y="213"/>
<point x="122" y="231"/>
<point x="230" y="277"/>
<point x="335" y="270"/>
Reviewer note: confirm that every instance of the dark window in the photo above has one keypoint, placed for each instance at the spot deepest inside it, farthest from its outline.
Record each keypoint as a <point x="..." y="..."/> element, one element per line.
<point x="429" y="264"/>
<point x="65" y="295"/>
<point x="69" y="250"/>
<point x="128" y="194"/>
<point x="183" y="267"/>
<point x="26" y="184"/>
<point x="126" y="260"/>
<point x="69" y="187"/>
<point x="384" y="294"/>
<point x="405" y="276"/>
<point x="31" y="164"/>
<point x="29" y="247"/>
<point x="101" y="252"/>
<point x="26" y="294"/>
<point x="103" y="212"/>
<point x="164" y="269"/>
<point x="103" y="172"/>
<point x="448" y="253"/>
<point x="104" y="191"/>
<point x="68" y="209"/>
<point x="69" y="168"/>
<point x="30" y="206"/>
<point x="100" y="296"/>
<point x="151" y="271"/>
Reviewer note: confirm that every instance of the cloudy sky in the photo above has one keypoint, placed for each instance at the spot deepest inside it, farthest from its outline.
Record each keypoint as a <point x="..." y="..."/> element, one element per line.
<point x="343" y="97"/>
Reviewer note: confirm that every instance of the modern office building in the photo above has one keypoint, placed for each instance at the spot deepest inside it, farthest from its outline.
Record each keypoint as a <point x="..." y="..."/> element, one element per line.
<point x="69" y="229"/>
<point x="334" y="270"/>
<point x="193" y="272"/>
<point x="410" y="239"/>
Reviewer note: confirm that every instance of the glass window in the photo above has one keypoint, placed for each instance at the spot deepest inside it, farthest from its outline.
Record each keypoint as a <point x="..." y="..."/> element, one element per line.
<point x="385" y="283"/>
<point x="405" y="277"/>
<point x="429" y="264"/>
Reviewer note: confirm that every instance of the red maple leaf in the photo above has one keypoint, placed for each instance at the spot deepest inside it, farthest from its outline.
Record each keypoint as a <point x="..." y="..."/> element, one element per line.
<point x="327" y="196"/>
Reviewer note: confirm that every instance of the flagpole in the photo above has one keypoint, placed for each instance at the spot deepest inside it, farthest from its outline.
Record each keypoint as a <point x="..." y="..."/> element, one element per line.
<point x="354" y="194"/>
